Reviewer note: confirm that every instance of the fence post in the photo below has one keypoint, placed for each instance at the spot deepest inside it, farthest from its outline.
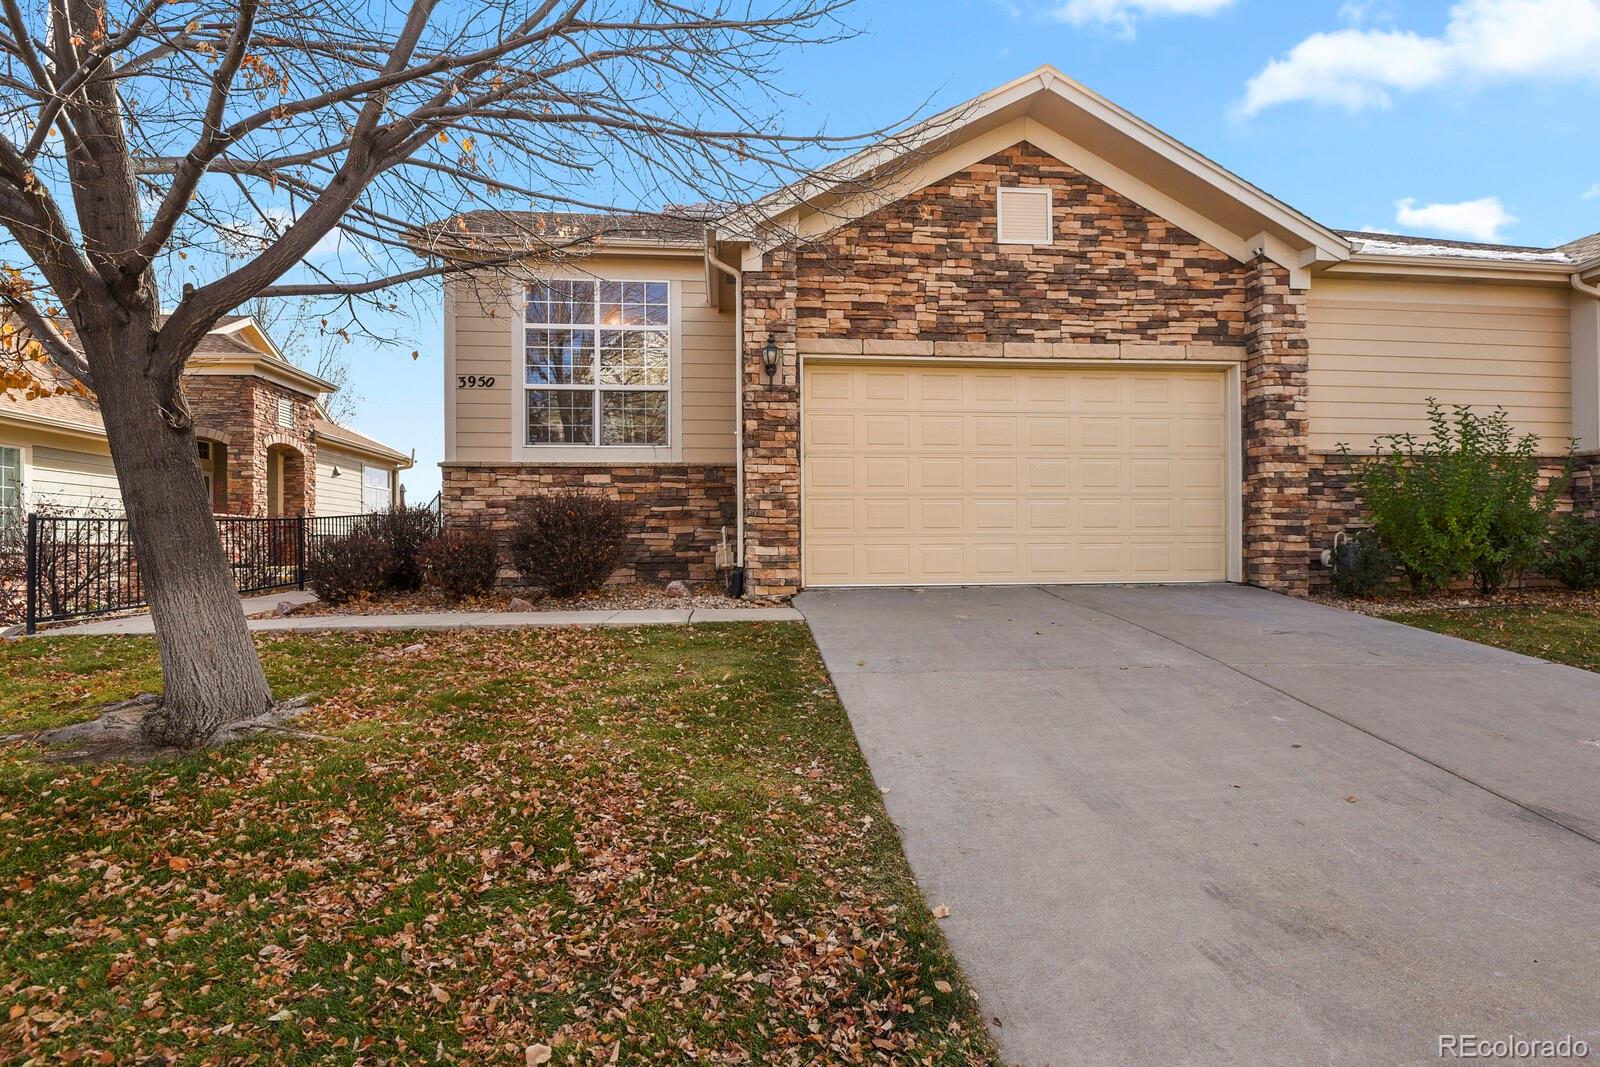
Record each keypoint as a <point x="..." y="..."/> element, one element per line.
<point x="31" y="565"/>
<point x="300" y="553"/>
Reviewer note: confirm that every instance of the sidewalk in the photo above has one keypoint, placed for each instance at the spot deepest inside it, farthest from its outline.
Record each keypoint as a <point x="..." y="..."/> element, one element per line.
<point x="442" y="620"/>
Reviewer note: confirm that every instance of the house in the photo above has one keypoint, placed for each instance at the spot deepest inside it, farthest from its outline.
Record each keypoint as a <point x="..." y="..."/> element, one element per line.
<point x="1035" y="340"/>
<point x="264" y="443"/>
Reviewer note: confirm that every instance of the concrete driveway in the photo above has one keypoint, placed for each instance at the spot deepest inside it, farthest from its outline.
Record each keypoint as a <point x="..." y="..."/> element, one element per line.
<point x="1213" y="825"/>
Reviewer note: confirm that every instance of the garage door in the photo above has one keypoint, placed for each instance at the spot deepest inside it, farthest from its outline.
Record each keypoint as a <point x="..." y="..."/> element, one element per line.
<point x="929" y="475"/>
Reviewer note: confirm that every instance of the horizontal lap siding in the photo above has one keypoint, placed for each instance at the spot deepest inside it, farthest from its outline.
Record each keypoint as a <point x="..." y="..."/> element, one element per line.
<point x="70" y="479"/>
<point x="485" y="344"/>
<point x="341" y="495"/>
<point x="1380" y="348"/>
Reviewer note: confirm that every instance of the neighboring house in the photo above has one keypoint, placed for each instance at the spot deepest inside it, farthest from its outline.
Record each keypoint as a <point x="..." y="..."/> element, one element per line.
<point x="1037" y="340"/>
<point x="264" y="444"/>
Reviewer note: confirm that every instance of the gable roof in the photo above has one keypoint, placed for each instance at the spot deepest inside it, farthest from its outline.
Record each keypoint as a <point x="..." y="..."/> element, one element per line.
<point x="1104" y="140"/>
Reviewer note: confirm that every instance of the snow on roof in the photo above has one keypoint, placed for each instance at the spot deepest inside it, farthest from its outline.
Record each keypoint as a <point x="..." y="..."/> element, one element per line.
<point x="1392" y="244"/>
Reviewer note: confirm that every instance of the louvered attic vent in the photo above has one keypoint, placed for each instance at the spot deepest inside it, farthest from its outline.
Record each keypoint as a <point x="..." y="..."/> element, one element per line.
<point x="1024" y="216"/>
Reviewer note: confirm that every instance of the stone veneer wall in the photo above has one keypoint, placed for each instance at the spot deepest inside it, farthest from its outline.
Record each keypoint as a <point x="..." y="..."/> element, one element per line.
<point x="677" y="511"/>
<point x="1277" y="543"/>
<point x="924" y="276"/>
<point x="927" y="268"/>
<point x="241" y="411"/>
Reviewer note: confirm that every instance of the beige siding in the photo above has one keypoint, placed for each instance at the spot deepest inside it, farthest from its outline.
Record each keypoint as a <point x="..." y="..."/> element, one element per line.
<point x="65" y="472"/>
<point x="482" y="321"/>
<point x="341" y="495"/>
<point x="1380" y="348"/>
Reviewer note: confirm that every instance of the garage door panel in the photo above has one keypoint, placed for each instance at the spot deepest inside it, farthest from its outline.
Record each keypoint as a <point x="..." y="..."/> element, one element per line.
<point x="939" y="431"/>
<point x="948" y="475"/>
<point x="887" y="431"/>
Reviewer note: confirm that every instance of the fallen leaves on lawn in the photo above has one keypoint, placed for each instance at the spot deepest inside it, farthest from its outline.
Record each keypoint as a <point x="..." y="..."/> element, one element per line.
<point x="564" y="846"/>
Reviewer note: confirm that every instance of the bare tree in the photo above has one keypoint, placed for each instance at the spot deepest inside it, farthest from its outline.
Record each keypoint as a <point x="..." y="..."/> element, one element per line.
<point x="231" y="139"/>
<point x="307" y="337"/>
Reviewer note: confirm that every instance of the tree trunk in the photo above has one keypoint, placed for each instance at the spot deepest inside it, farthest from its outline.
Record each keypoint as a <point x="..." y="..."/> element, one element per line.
<point x="211" y="670"/>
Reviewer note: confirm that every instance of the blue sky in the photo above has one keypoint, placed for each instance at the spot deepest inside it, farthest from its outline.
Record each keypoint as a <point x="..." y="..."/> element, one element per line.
<point x="1471" y="119"/>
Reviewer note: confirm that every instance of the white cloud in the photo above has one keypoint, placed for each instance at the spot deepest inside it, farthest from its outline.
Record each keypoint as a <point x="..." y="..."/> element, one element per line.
<point x="1476" y="220"/>
<point x="1124" y="15"/>
<point x="1484" y="41"/>
<point x="1593" y="192"/>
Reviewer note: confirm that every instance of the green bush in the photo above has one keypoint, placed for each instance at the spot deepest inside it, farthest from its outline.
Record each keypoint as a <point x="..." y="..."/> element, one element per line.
<point x="403" y="530"/>
<point x="461" y="561"/>
<point x="340" y="569"/>
<point x="1573" y="554"/>
<point x="1463" y="501"/>
<point x="568" y="542"/>
<point x="1362" y="564"/>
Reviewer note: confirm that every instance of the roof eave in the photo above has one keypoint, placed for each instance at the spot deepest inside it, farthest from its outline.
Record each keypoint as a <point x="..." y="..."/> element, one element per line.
<point x="19" y="417"/>
<point x="267" y="366"/>
<point x="1435" y="266"/>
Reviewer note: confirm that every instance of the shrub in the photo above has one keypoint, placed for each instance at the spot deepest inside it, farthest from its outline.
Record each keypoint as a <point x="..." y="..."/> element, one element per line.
<point x="13" y="574"/>
<point x="403" y="530"/>
<point x="1462" y="501"/>
<point x="1573" y="554"/>
<point x="340" y="569"/>
<point x="461" y="561"/>
<point x="568" y="542"/>
<point x="1362" y="564"/>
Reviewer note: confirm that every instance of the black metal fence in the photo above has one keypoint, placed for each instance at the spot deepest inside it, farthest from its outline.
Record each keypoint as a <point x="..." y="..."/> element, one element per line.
<point x="78" y="567"/>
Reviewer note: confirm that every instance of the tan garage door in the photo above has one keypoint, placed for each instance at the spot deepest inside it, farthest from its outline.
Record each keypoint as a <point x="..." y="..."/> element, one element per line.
<point x="924" y="475"/>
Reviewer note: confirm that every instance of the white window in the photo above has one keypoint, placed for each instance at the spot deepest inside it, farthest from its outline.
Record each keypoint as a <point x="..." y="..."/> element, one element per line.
<point x="377" y="488"/>
<point x="10" y="487"/>
<point x="1024" y="216"/>
<point x="597" y="357"/>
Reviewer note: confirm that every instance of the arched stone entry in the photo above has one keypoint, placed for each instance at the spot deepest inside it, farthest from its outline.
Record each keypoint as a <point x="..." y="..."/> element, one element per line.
<point x="288" y="481"/>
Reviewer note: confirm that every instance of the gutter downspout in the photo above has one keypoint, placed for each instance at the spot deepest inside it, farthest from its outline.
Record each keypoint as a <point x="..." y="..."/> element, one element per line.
<point x="738" y="392"/>
<point x="1584" y="287"/>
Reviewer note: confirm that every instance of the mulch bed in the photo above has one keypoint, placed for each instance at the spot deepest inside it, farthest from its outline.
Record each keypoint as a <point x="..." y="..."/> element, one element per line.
<point x="1400" y="602"/>
<point x="619" y="598"/>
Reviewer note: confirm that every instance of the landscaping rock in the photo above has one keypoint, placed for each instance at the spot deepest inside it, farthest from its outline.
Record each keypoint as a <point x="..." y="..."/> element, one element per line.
<point x="517" y="603"/>
<point x="678" y="588"/>
<point x="284" y="607"/>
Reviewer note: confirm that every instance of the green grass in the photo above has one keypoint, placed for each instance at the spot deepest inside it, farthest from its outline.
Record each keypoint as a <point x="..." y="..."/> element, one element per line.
<point x="660" y="845"/>
<point x="1563" y="635"/>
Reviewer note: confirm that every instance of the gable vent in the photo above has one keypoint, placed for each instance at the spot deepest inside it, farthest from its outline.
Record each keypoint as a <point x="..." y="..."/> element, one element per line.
<point x="285" y="413"/>
<point x="1024" y="216"/>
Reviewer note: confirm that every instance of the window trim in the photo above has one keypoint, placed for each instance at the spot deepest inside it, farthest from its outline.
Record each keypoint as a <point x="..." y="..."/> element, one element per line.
<point x="24" y="474"/>
<point x="390" y="472"/>
<point x="672" y="451"/>
<point x="1049" y="215"/>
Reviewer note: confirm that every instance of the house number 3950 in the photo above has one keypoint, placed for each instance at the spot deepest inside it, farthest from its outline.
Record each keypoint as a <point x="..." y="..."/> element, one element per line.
<point x="474" y="381"/>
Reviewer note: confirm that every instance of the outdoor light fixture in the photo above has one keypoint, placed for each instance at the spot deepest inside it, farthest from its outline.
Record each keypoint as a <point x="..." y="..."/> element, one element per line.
<point x="769" y="359"/>
<point x="335" y="473"/>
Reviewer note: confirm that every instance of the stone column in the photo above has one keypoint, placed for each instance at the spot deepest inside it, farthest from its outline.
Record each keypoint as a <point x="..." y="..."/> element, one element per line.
<point x="1277" y="543"/>
<point x="771" y="431"/>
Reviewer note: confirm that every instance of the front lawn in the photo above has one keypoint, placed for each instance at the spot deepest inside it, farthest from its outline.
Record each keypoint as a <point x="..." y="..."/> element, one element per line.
<point x="1562" y="634"/>
<point x="654" y="845"/>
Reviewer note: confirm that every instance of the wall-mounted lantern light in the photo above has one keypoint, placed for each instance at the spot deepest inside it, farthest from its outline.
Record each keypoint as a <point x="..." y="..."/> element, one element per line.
<point x="335" y="473"/>
<point x="769" y="359"/>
